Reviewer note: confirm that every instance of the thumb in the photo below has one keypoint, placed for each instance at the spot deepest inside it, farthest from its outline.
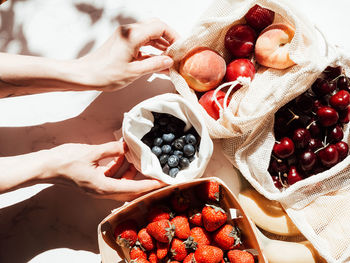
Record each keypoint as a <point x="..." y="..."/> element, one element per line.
<point x="151" y="64"/>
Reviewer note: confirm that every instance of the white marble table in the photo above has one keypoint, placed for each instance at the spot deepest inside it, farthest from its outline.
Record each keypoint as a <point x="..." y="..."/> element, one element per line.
<point x="46" y="223"/>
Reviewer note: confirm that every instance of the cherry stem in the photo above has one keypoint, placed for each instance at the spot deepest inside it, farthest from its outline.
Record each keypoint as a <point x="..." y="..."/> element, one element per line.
<point x="295" y="117"/>
<point x="308" y="127"/>
<point x="281" y="181"/>
<point x="277" y="159"/>
<point x="341" y="75"/>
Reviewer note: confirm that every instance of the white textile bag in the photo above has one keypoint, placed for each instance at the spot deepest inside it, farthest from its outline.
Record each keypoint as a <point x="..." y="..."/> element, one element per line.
<point x="269" y="86"/>
<point x="139" y="121"/>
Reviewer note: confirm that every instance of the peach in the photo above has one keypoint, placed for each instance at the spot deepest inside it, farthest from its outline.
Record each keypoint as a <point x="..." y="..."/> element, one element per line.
<point x="203" y="69"/>
<point x="271" y="48"/>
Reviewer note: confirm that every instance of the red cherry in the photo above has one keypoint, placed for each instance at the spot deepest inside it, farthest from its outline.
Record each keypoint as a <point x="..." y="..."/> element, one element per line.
<point x="340" y="100"/>
<point x="307" y="160"/>
<point x="314" y="144"/>
<point x="208" y="103"/>
<point x="240" y="40"/>
<point x="332" y="72"/>
<point x="276" y="182"/>
<point x="329" y="156"/>
<point x="293" y="175"/>
<point x="240" y="68"/>
<point x="323" y="87"/>
<point x="327" y="116"/>
<point x="259" y="18"/>
<point x="343" y="150"/>
<point x="314" y="128"/>
<point x="284" y="148"/>
<point x="301" y="137"/>
<point x="344" y="115"/>
<point x="277" y="166"/>
<point x="335" y="134"/>
<point x="343" y="83"/>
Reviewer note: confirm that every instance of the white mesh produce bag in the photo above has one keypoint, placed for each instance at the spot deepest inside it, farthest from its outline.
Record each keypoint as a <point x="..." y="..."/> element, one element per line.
<point x="139" y="121"/>
<point x="318" y="205"/>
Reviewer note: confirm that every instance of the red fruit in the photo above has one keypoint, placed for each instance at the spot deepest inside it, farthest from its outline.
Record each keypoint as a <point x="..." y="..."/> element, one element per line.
<point x="152" y="257"/>
<point x="307" y="160"/>
<point x="213" y="217"/>
<point x="208" y="254"/>
<point x="227" y="237"/>
<point x="284" y="148"/>
<point x="240" y="256"/>
<point x="343" y="150"/>
<point x="293" y="175"/>
<point x="178" y="249"/>
<point x="327" y="116"/>
<point x="162" y="250"/>
<point x="277" y="182"/>
<point x="146" y="240"/>
<point x="162" y="230"/>
<point x="139" y="260"/>
<point x="240" y="68"/>
<point x="126" y="233"/>
<point x="240" y="40"/>
<point x="329" y="156"/>
<point x="182" y="226"/>
<point x="209" y="191"/>
<point x="195" y="217"/>
<point x="208" y="103"/>
<point x="200" y="236"/>
<point x="157" y="213"/>
<point x="301" y="137"/>
<point x="189" y="258"/>
<point x="340" y="100"/>
<point x="259" y="17"/>
<point x="344" y="115"/>
<point x="136" y="252"/>
<point x="180" y="201"/>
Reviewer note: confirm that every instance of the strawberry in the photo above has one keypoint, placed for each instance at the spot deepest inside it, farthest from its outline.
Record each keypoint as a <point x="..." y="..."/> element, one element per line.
<point x="136" y="252"/>
<point x="195" y="217"/>
<point x="162" y="230"/>
<point x="227" y="237"/>
<point x="126" y="233"/>
<point x="209" y="191"/>
<point x="180" y="201"/>
<point x="208" y="254"/>
<point x="182" y="226"/>
<point x="162" y="250"/>
<point x="199" y="236"/>
<point x="159" y="212"/>
<point x="146" y="240"/>
<point x="240" y="256"/>
<point x="178" y="249"/>
<point x="189" y="258"/>
<point x="139" y="260"/>
<point x="152" y="257"/>
<point x="213" y="217"/>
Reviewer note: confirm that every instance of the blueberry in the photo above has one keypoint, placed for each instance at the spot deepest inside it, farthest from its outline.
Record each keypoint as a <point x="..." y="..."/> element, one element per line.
<point x="168" y="137"/>
<point x="184" y="162"/>
<point x="166" y="169"/>
<point x="158" y="141"/>
<point x="178" y="153"/>
<point x="163" y="159"/>
<point x="157" y="150"/>
<point x="191" y="139"/>
<point x="173" y="172"/>
<point x="189" y="150"/>
<point x="179" y="143"/>
<point x="166" y="148"/>
<point x="173" y="161"/>
<point x="191" y="158"/>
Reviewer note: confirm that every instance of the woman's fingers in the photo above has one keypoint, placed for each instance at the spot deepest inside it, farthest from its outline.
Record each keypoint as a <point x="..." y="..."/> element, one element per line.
<point x="113" y="166"/>
<point x="110" y="149"/>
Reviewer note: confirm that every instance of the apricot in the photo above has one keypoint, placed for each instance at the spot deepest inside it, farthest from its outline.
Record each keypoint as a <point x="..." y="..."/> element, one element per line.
<point x="203" y="69"/>
<point x="271" y="48"/>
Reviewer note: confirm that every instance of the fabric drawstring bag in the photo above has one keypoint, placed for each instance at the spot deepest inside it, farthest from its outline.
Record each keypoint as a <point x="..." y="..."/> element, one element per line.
<point x="139" y="121"/>
<point x="319" y="205"/>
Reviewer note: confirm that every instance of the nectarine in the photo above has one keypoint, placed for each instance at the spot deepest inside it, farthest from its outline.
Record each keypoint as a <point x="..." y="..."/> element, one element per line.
<point x="271" y="48"/>
<point x="203" y="69"/>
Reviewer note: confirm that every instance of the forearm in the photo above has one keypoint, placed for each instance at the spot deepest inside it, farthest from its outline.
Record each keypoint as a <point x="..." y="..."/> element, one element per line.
<point x="23" y="75"/>
<point x="24" y="170"/>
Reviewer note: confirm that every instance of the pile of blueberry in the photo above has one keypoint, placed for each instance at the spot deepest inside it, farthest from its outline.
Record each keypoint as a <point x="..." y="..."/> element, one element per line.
<point x="309" y="130"/>
<point x="174" y="147"/>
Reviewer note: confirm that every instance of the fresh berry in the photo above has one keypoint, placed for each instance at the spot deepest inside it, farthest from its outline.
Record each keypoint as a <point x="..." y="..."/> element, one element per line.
<point x="301" y="137"/>
<point x="162" y="250"/>
<point x="173" y="172"/>
<point x="158" y="141"/>
<point x="307" y="160"/>
<point x="126" y="233"/>
<point x="208" y="254"/>
<point x="195" y="217"/>
<point x="136" y="253"/>
<point x="159" y="212"/>
<point x="327" y="116"/>
<point x="340" y="100"/>
<point x="227" y="237"/>
<point x="157" y="150"/>
<point x="209" y="191"/>
<point x="189" y="150"/>
<point x="168" y="137"/>
<point x="182" y="226"/>
<point x="173" y="161"/>
<point x="184" y="162"/>
<point x="162" y="230"/>
<point x="240" y="256"/>
<point x="139" y="260"/>
<point x="189" y="258"/>
<point x="152" y="257"/>
<point x="213" y="217"/>
<point x="343" y="150"/>
<point x="284" y="148"/>
<point x="329" y="156"/>
<point x="166" y="149"/>
<point x="293" y="175"/>
<point x="199" y="236"/>
<point x="180" y="201"/>
<point x="146" y="240"/>
<point x="178" y="249"/>
<point x="259" y="18"/>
